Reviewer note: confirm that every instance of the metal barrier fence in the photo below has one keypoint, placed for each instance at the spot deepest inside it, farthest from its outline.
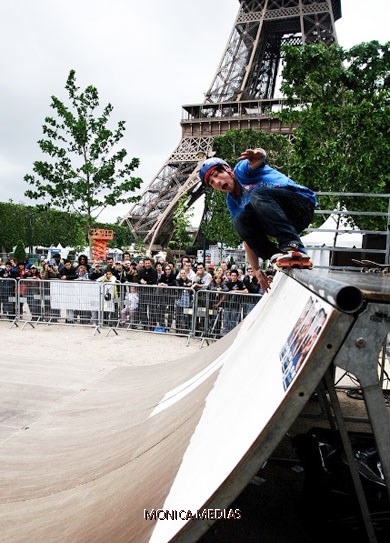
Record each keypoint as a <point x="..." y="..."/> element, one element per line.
<point x="333" y="238"/>
<point x="216" y="313"/>
<point x="8" y="299"/>
<point x="160" y="309"/>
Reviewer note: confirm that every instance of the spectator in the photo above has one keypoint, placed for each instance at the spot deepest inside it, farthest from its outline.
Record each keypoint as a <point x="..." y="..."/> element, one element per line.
<point x="159" y="270"/>
<point x="252" y="285"/>
<point x="147" y="273"/>
<point x="211" y="269"/>
<point x="33" y="292"/>
<point x="184" y="260"/>
<point x="201" y="282"/>
<point x="161" y="261"/>
<point x="233" y="305"/>
<point x="82" y="314"/>
<point x="148" y="277"/>
<point x="166" y="299"/>
<point x="202" y="278"/>
<point x="8" y="275"/>
<point x="187" y="266"/>
<point x="96" y="271"/>
<point x="129" y="312"/>
<point x="122" y="277"/>
<point x="119" y="271"/>
<point x="57" y="263"/>
<point x="109" y="264"/>
<point x="140" y="265"/>
<point x="218" y="288"/>
<point x="183" y="302"/>
<point x="251" y="282"/>
<point x="81" y="273"/>
<point x="22" y="275"/>
<point x="224" y="267"/>
<point x="110" y="294"/>
<point x="220" y="273"/>
<point x="126" y="257"/>
<point x="83" y="261"/>
<point x="132" y="272"/>
<point x="127" y="265"/>
<point x="68" y="273"/>
<point x="49" y="272"/>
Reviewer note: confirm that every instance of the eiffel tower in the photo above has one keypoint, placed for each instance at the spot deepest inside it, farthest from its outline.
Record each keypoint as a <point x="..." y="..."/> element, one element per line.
<point x="241" y="96"/>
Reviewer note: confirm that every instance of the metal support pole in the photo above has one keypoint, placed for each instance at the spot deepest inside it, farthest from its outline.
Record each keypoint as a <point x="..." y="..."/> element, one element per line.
<point x="357" y="483"/>
<point x="359" y="355"/>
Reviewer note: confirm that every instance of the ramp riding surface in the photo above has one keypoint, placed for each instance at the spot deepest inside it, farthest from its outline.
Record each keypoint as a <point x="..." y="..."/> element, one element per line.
<point x="102" y="447"/>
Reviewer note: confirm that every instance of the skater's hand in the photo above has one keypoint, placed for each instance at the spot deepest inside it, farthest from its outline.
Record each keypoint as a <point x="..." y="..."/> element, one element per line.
<point x="255" y="157"/>
<point x="264" y="280"/>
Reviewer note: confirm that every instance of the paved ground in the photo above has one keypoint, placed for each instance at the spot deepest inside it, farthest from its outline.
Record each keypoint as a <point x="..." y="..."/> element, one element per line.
<point x="127" y="348"/>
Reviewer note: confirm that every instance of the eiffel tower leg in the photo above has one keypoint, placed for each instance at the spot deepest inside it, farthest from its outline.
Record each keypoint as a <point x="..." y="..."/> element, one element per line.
<point x="151" y="217"/>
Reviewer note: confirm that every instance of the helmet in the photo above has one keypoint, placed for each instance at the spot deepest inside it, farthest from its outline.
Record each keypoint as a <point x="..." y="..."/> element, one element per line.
<point x="208" y="166"/>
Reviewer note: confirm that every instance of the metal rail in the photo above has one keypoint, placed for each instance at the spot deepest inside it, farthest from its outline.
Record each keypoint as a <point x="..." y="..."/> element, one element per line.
<point x="340" y="228"/>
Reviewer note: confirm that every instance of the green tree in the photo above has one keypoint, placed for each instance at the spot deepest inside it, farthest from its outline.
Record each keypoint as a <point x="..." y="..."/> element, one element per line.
<point x="139" y="246"/>
<point x="216" y="224"/>
<point x="51" y="227"/>
<point x="339" y="100"/>
<point x="86" y="172"/>
<point x="13" y="227"/>
<point x="181" y="224"/>
<point x="38" y="226"/>
<point x="232" y="143"/>
<point x="20" y="252"/>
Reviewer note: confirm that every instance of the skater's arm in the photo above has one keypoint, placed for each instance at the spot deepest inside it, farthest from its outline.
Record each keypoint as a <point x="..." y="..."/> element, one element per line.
<point x="254" y="262"/>
<point x="255" y="157"/>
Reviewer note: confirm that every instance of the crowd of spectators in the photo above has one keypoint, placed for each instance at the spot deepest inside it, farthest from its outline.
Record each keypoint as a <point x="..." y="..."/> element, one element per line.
<point x="153" y="309"/>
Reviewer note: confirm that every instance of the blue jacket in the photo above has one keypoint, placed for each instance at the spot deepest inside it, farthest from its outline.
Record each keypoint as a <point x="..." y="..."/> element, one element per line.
<point x="249" y="179"/>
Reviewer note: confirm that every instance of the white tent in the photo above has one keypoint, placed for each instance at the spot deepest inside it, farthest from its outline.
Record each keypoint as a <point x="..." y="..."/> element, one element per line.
<point x="346" y="236"/>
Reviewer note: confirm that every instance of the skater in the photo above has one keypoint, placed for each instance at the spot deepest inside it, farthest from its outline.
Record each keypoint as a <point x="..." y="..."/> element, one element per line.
<point x="263" y="202"/>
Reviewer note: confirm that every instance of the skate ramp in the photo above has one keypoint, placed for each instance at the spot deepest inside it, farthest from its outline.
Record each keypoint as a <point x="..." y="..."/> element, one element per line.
<point x="102" y="447"/>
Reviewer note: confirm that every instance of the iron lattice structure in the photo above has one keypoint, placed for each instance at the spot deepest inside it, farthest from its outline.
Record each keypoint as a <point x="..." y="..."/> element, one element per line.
<point x="242" y="95"/>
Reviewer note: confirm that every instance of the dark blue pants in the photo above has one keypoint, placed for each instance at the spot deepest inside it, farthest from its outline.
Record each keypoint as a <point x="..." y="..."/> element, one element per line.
<point x="280" y="213"/>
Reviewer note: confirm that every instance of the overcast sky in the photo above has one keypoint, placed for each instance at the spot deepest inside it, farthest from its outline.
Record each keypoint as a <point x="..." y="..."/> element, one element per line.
<point x="146" y="58"/>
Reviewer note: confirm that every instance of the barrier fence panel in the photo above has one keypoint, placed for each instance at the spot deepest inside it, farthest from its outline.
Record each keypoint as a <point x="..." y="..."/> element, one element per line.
<point x="64" y="302"/>
<point x="349" y="234"/>
<point x="152" y="308"/>
<point x="8" y="299"/>
<point x="216" y="313"/>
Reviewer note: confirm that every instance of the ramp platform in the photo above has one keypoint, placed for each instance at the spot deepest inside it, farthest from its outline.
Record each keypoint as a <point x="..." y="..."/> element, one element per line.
<point x="156" y="453"/>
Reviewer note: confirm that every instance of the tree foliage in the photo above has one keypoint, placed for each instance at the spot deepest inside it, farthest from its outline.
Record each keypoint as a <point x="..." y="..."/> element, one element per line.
<point x="340" y="102"/>
<point x="20" y="252"/>
<point x="86" y="172"/>
<point x="49" y="227"/>
<point x="37" y="226"/>
<point x="181" y="224"/>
